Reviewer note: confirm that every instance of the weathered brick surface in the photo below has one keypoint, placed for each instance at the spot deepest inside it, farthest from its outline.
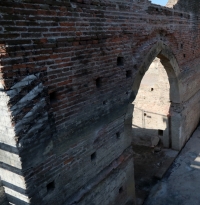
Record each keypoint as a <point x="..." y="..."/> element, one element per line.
<point x="3" y="199"/>
<point x="65" y="95"/>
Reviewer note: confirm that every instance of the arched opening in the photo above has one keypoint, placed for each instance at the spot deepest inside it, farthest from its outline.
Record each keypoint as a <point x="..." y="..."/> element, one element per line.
<point x="152" y="120"/>
<point x="163" y="57"/>
<point x="150" y="124"/>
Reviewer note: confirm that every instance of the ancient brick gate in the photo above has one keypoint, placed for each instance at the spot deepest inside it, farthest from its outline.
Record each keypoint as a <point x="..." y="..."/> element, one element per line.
<point x="70" y="71"/>
<point x="171" y="66"/>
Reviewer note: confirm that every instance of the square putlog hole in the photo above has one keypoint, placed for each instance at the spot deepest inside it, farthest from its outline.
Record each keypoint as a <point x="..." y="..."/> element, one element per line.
<point x="128" y="74"/>
<point x="121" y="190"/>
<point x="160" y="132"/>
<point x="93" y="156"/>
<point x="50" y="186"/>
<point x="118" y="135"/>
<point x="98" y="82"/>
<point x="120" y="61"/>
<point x="53" y="97"/>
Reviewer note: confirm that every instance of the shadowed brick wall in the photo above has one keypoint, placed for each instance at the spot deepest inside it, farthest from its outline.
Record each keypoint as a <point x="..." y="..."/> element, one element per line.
<point x="67" y="70"/>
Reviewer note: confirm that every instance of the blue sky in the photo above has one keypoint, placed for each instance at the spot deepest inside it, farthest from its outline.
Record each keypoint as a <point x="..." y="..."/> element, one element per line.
<point x="160" y="2"/>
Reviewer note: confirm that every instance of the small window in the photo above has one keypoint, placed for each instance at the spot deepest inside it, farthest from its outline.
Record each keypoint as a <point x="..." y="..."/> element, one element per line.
<point x="93" y="156"/>
<point x="120" y="61"/>
<point x="50" y="186"/>
<point x="151" y="89"/>
<point x="160" y="132"/>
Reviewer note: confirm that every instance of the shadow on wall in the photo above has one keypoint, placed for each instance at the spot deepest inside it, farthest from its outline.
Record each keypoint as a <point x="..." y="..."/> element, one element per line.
<point x="22" y="122"/>
<point x="145" y="136"/>
<point x="12" y="184"/>
<point x="3" y="199"/>
<point x="28" y="124"/>
<point x="144" y="132"/>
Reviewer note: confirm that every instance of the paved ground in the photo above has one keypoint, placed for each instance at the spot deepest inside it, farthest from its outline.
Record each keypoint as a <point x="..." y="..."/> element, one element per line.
<point x="181" y="183"/>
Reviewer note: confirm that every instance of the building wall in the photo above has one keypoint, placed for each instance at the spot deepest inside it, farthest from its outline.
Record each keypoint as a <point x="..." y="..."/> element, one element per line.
<point x="171" y="3"/>
<point x="68" y="68"/>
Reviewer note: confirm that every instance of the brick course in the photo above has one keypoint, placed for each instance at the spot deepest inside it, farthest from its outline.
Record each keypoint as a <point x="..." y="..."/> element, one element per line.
<point x="65" y="97"/>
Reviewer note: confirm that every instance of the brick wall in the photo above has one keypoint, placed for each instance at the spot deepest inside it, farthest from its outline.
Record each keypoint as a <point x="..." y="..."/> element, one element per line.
<point x="68" y="68"/>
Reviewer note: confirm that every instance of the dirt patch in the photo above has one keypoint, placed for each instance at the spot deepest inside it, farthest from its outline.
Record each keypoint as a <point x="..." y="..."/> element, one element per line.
<point x="150" y="165"/>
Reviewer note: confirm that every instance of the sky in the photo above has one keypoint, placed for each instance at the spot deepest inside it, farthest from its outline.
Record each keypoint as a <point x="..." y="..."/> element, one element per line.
<point x="160" y="2"/>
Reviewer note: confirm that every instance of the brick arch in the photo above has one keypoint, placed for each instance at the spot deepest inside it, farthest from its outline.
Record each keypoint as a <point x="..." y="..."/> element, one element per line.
<point x="169" y="62"/>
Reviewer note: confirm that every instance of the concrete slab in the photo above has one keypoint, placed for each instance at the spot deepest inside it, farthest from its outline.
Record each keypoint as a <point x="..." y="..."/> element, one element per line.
<point x="180" y="185"/>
